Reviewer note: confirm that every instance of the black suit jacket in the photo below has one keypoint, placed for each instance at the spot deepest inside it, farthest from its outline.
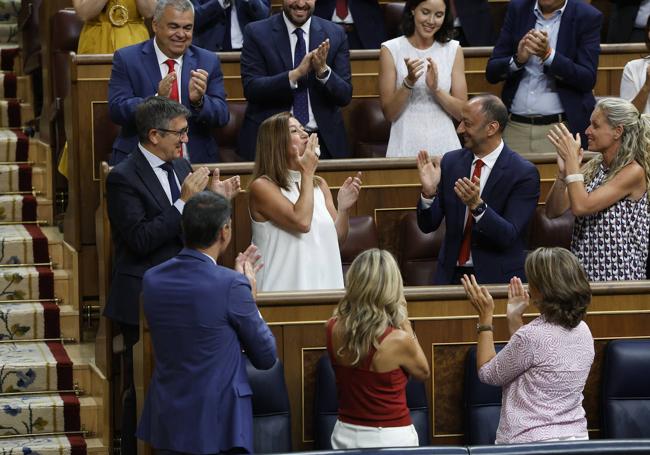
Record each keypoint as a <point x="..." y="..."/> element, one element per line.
<point x="368" y="19"/>
<point x="146" y="230"/>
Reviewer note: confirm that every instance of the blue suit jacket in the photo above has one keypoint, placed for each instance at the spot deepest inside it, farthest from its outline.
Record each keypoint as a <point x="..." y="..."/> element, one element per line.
<point x="135" y="76"/>
<point x="574" y="65"/>
<point x="499" y="238"/>
<point x="265" y="65"/>
<point x="145" y="227"/>
<point x="211" y="21"/>
<point x="368" y="19"/>
<point x="201" y="316"/>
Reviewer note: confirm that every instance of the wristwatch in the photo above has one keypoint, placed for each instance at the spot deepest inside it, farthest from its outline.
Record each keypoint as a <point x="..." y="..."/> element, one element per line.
<point x="479" y="209"/>
<point x="484" y="328"/>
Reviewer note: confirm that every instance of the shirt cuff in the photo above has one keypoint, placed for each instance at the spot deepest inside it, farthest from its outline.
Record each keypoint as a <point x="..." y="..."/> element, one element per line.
<point x="327" y="76"/>
<point x="426" y="203"/>
<point x="224" y="3"/>
<point x="180" y="205"/>
<point x="478" y="218"/>
<point x="293" y="84"/>
<point x="513" y="66"/>
<point x="550" y="58"/>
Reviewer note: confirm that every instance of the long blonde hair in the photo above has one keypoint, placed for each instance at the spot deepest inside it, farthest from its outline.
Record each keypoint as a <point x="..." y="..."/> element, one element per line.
<point x="635" y="139"/>
<point x="374" y="300"/>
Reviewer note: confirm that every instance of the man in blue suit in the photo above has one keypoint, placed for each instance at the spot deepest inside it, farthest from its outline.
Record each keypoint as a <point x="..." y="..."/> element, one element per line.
<point x="547" y="54"/>
<point x="296" y="62"/>
<point x="145" y="196"/>
<point x="201" y="316"/>
<point x="153" y="68"/>
<point x="485" y="192"/>
<point x="363" y="20"/>
<point x="219" y="24"/>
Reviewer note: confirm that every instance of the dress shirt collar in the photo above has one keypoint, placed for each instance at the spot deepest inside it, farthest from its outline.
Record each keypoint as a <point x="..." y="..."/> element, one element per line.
<point x="490" y="158"/>
<point x="162" y="58"/>
<point x="208" y="256"/>
<point x="291" y="27"/>
<point x="558" y="12"/>
<point x="153" y="160"/>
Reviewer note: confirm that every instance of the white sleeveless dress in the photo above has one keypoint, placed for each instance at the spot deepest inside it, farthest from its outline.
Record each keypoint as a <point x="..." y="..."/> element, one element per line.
<point x="294" y="261"/>
<point x="423" y="124"/>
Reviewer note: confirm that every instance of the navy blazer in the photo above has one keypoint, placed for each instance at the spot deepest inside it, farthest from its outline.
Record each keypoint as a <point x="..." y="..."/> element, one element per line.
<point x="574" y="65"/>
<point x="368" y="19"/>
<point x="145" y="227"/>
<point x="211" y="21"/>
<point x="135" y="76"/>
<point x="201" y="316"/>
<point x="472" y="14"/>
<point x="499" y="237"/>
<point x="265" y="65"/>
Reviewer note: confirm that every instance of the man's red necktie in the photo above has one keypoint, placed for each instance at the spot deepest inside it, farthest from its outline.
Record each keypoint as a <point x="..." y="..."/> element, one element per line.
<point x="465" y="246"/>
<point x="173" y="95"/>
<point x="342" y="9"/>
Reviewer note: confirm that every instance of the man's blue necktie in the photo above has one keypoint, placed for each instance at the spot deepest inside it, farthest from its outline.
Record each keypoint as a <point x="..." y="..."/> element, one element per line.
<point x="300" y="103"/>
<point x="171" y="178"/>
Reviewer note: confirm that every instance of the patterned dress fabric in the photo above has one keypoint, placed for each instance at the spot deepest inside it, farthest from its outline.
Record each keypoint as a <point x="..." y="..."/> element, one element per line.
<point x="613" y="243"/>
<point x="295" y="261"/>
<point x="423" y="124"/>
<point x="543" y="370"/>
<point x="99" y="36"/>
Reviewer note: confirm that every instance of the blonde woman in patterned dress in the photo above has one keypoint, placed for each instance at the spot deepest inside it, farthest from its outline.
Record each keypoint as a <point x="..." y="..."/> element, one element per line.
<point x="544" y="367"/>
<point x="608" y="195"/>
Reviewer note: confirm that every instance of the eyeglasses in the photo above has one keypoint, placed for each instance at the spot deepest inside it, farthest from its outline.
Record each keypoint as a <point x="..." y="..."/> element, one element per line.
<point x="180" y="133"/>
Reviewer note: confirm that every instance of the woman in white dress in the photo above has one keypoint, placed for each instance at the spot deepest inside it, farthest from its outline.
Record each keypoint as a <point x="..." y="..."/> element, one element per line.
<point x="635" y="83"/>
<point x="296" y="226"/>
<point x="422" y="82"/>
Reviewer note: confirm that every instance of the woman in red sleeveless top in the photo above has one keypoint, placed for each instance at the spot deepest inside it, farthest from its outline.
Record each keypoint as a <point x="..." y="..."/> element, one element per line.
<point x="373" y="350"/>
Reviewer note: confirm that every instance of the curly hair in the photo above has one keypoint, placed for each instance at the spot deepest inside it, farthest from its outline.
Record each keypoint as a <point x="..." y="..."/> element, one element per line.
<point x="374" y="300"/>
<point x="562" y="282"/>
<point x="443" y="35"/>
<point x="635" y="139"/>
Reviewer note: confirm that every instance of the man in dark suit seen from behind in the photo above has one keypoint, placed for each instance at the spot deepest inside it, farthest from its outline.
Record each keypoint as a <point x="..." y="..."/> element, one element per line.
<point x="219" y="24"/>
<point x="362" y="20"/>
<point x="201" y="317"/>
<point x="146" y="194"/>
<point x="169" y="65"/>
<point x="486" y="194"/>
<point x="296" y="62"/>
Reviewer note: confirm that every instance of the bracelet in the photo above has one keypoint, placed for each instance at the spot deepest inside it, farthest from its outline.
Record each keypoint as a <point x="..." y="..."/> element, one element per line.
<point x="406" y="85"/>
<point x="484" y="328"/>
<point x="571" y="178"/>
<point x="548" y="54"/>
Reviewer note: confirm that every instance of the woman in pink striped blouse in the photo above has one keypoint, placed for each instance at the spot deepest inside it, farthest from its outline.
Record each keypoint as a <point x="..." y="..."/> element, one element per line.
<point x="544" y="366"/>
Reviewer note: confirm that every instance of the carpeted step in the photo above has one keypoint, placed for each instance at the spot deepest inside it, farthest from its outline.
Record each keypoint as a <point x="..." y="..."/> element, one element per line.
<point x="9" y="10"/>
<point x="25" y="321"/>
<point x="34" y="367"/>
<point x="10" y="58"/>
<point x="14" y="146"/>
<point x="8" y="32"/>
<point x="44" y="445"/>
<point x="33" y="414"/>
<point x="14" y="86"/>
<point x="14" y="114"/>
<point x="26" y="283"/>
<point x="15" y="178"/>
<point x="18" y="208"/>
<point x="23" y="244"/>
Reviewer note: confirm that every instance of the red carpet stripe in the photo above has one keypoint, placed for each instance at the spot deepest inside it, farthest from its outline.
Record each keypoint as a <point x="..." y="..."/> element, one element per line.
<point x="63" y="365"/>
<point x="29" y="209"/>
<point x="77" y="444"/>
<point x="71" y="412"/>
<point x="39" y="244"/>
<point x="45" y="283"/>
<point x="7" y="57"/>
<point x="10" y="85"/>
<point x="13" y="113"/>
<point x="24" y="177"/>
<point x="51" y="321"/>
<point x="22" y="145"/>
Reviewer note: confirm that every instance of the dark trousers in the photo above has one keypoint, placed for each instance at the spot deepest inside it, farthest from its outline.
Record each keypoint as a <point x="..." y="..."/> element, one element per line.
<point x="234" y="450"/>
<point x="131" y="334"/>
<point x="459" y="272"/>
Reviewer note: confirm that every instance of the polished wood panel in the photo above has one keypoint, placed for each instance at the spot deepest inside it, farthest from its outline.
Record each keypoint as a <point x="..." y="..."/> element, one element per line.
<point x="446" y="326"/>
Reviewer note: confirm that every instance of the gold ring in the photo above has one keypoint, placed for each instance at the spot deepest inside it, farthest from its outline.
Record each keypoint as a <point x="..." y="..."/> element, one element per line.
<point x="118" y="15"/>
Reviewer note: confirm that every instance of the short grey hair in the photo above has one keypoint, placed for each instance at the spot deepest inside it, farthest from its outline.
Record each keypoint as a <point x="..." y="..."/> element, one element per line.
<point x="179" y="5"/>
<point x="493" y="108"/>
<point x="157" y="112"/>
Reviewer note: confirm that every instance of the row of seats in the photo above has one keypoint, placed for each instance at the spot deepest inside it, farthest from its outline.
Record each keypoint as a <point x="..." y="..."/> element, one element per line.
<point x="418" y="252"/>
<point x="625" y="409"/>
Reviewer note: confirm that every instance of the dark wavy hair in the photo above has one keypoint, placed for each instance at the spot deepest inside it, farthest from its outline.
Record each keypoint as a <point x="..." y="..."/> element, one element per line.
<point x="446" y="32"/>
<point x="562" y="283"/>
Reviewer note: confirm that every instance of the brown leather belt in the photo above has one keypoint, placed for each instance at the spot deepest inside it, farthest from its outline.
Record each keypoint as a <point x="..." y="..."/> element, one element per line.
<point x="538" y="119"/>
<point x="347" y="27"/>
